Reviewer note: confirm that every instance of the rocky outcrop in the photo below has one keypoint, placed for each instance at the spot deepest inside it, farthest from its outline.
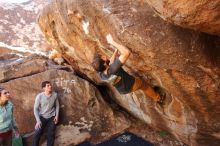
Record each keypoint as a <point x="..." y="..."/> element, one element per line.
<point x="184" y="62"/>
<point x="195" y="14"/>
<point x="15" y="67"/>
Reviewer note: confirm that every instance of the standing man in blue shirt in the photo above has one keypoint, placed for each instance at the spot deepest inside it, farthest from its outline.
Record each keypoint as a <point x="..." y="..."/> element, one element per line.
<point x="46" y="112"/>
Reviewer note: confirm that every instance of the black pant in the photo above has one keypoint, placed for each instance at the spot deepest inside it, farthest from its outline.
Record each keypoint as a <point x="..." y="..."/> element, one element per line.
<point x="6" y="141"/>
<point x="49" y="123"/>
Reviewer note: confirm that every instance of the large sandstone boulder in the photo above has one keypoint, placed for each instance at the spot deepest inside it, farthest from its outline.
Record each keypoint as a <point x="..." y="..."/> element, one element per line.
<point x="184" y="62"/>
<point x="195" y="14"/>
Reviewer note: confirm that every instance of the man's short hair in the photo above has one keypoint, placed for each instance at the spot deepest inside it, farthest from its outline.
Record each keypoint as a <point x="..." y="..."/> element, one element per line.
<point x="44" y="83"/>
<point x="98" y="63"/>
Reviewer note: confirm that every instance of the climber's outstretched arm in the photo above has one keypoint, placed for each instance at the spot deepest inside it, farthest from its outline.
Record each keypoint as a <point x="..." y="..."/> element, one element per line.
<point x="124" y="52"/>
<point x="112" y="59"/>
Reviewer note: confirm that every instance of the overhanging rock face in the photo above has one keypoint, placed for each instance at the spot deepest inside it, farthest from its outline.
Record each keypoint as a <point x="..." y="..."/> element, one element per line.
<point x="184" y="62"/>
<point x="195" y="14"/>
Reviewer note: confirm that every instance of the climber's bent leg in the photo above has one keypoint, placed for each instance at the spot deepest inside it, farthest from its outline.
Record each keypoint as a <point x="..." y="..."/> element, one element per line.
<point x="137" y="85"/>
<point x="147" y="89"/>
<point x="150" y="92"/>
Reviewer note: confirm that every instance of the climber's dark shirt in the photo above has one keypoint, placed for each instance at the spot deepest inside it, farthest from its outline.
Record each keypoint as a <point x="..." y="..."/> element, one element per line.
<point x="118" y="77"/>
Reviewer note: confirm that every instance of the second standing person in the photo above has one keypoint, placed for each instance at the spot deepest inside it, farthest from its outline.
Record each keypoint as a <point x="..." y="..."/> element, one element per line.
<point x="46" y="112"/>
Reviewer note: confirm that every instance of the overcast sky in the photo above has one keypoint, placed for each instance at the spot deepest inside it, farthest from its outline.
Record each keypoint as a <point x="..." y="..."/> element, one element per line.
<point x="13" y="1"/>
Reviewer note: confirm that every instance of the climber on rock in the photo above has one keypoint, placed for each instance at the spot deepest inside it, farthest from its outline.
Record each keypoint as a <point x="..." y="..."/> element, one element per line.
<point x="111" y="71"/>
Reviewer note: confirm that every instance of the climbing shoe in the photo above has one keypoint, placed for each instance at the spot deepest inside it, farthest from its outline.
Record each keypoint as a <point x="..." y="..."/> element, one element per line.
<point x="162" y="94"/>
